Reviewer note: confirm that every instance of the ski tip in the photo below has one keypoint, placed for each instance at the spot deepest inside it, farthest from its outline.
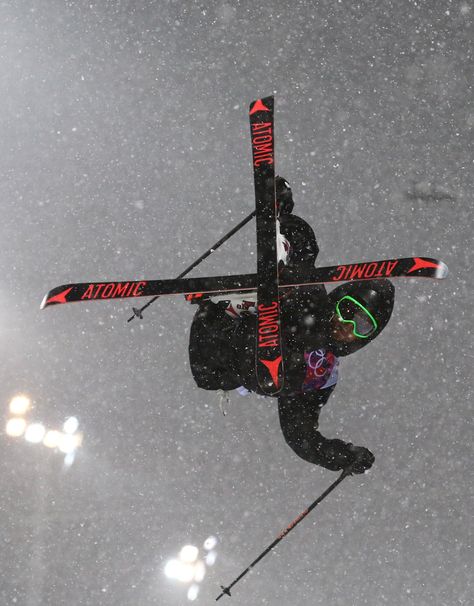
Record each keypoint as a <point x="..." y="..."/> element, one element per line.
<point x="441" y="271"/>
<point x="46" y="302"/>
<point x="428" y="267"/>
<point x="261" y="105"/>
<point x="56" y="296"/>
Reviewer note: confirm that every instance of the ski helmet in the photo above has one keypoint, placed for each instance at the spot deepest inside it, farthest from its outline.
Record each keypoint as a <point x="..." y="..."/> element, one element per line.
<point x="284" y="196"/>
<point x="367" y="305"/>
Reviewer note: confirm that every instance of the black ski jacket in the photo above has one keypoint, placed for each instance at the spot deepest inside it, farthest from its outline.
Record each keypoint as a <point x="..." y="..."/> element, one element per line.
<point x="222" y="353"/>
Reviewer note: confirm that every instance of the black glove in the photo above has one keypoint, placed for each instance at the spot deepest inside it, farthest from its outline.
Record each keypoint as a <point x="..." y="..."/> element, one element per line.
<point x="303" y="246"/>
<point x="284" y="196"/>
<point x="360" y="459"/>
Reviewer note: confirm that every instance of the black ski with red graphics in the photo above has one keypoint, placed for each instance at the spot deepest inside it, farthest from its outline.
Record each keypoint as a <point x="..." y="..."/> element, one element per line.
<point x="268" y="351"/>
<point x="409" y="267"/>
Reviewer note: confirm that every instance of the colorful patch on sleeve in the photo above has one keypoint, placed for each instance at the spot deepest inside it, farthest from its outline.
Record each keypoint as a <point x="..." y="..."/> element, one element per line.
<point x="321" y="370"/>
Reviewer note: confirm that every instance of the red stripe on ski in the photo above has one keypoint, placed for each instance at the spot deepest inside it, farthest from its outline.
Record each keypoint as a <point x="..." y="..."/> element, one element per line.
<point x="273" y="368"/>
<point x="194" y="295"/>
<point x="258" y="106"/>
<point x="422" y="264"/>
<point x="60" y="298"/>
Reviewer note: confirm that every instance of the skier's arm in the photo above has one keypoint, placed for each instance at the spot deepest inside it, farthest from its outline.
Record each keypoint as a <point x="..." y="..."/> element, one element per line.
<point x="299" y="416"/>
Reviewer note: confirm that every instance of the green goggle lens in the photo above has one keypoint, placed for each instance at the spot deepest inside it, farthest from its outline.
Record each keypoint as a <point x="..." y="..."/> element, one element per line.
<point x="350" y="310"/>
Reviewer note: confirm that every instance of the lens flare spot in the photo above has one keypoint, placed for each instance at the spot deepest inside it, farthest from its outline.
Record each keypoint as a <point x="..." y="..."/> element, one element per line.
<point x="210" y="543"/>
<point x="15" y="427"/>
<point x="35" y="433"/>
<point x="193" y="592"/>
<point x="20" y="405"/>
<point x="189" y="554"/>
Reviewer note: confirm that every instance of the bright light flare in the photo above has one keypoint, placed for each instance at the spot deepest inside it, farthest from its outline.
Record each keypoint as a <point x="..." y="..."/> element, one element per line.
<point x="189" y="554"/>
<point x="71" y="425"/>
<point x="193" y="592"/>
<point x="20" y="405"/>
<point x="180" y="571"/>
<point x="210" y="543"/>
<point x="35" y="433"/>
<point x="171" y="569"/>
<point x="190" y="567"/>
<point x="52" y="438"/>
<point x="210" y="558"/>
<point x="68" y="443"/>
<point x="15" y="427"/>
<point x="199" y="571"/>
<point x="69" y="459"/>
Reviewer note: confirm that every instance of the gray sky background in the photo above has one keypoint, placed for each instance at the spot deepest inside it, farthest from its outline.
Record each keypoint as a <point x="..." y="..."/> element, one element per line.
<point x="125" y="153"/>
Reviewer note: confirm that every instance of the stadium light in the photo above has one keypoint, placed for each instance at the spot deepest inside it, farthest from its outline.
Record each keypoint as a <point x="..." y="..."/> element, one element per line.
<point x="15" y="427"/>
<point x="193" y="592"/>
<point x="52" y="438"/>
<point x="189" y="554"/>
<point x="66" y="441"/>
<point x="190" y="566"/>
<point x="20" y="405"/>
<point x="35" y="433"/>
<point x="70" y="425"/>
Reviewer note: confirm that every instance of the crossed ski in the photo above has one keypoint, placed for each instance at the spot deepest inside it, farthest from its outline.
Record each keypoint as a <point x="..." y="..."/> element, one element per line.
<point x="268" y="350"/>
<point x="408" y="267"/>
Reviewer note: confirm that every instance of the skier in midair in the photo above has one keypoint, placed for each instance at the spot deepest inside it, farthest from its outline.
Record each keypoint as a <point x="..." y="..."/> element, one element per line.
<point x="317" y="329"/>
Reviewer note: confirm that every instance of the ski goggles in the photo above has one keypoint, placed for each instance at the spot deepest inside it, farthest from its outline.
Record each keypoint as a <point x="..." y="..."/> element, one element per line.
<point x="350" y="310"/>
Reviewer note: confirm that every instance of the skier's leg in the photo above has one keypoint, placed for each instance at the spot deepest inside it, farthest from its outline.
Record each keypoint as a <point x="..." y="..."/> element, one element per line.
<point x="210" y="348"/>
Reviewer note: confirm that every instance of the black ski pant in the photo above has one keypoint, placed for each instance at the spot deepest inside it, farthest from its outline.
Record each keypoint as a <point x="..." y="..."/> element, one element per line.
<point x="210" y="349"/>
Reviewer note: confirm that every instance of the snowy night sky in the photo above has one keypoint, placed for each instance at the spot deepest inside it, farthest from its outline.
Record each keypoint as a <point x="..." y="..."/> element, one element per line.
<point x="125" y="154"/>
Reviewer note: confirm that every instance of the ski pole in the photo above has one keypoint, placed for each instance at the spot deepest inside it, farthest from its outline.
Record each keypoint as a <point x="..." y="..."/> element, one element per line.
<point x="138" y="312"/>
<point x="282" y="535"/>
